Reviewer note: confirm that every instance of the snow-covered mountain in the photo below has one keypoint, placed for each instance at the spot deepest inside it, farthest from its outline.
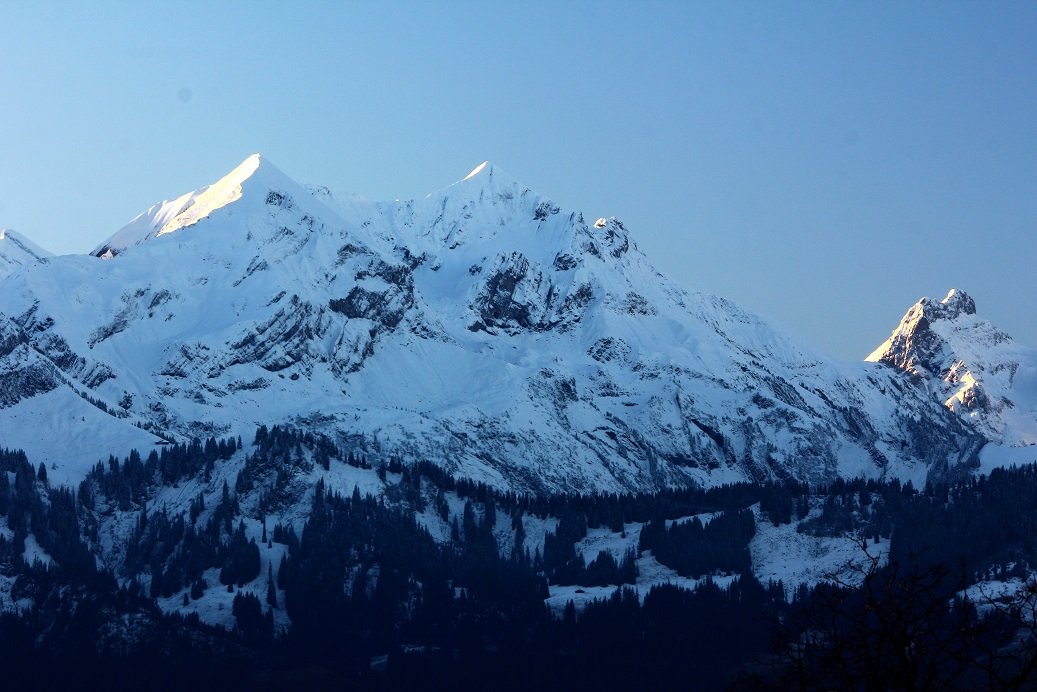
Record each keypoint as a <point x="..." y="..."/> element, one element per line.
<point x="168" y="216"/>
<point x="971" y="366"/>
<point x="16" y="251"/>
<point x="482" y="327"/>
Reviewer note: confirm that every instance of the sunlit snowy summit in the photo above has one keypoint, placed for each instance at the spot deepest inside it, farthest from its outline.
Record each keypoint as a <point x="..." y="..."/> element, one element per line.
<point x="971" y="366"/>
<point x="483" y="328"/>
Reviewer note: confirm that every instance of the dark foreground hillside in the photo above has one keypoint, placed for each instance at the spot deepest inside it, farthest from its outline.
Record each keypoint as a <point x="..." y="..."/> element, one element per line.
<point x="365" y="596"/>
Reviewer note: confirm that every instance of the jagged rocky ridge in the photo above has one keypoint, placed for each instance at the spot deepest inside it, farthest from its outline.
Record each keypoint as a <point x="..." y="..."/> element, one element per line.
<point x="970" y="366"/>
<point x="483" y="328"/>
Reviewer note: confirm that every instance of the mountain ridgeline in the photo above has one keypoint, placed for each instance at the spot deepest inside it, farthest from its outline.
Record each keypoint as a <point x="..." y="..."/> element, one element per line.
<point x="268" y="435"/>
<point x="483" y="328"/>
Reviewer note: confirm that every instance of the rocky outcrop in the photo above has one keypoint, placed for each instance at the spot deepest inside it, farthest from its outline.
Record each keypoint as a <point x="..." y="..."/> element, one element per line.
<point x="970" y="366"/>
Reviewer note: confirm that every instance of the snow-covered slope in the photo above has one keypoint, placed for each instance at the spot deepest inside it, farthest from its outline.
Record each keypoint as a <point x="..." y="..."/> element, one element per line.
<point x="42" y="409"/>
<point x="971" y="366"/>
<point x="55" y="418"/>
<point x="16" y="251"/>
<point x="482" y="327"/>
<point x="169" y="216"/>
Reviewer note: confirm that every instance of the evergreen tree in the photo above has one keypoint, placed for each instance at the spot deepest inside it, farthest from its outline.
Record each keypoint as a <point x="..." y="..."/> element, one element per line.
<point x="271" y="588"/>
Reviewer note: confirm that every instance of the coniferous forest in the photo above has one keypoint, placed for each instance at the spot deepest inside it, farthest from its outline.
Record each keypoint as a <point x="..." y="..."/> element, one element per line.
<point x="440" y="579"/>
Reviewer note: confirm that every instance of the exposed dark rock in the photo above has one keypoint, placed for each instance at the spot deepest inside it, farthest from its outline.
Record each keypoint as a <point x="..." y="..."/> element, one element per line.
<point x="496" y="303"/>
<point x="384" y="302"/>
<point x="276" y="198"/>
<point x="24" y="383"/>
<point x="565" y="262"/>
<point x="544" y="210"/>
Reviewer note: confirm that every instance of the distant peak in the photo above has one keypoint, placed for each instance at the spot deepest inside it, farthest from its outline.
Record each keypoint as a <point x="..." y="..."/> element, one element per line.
<point x="957" y="302"/>
<point x="486" y="174"/>
<point x="246" y="168"/>
<point x="212" y="197"/>
<point x="17" y="250"/>
<point x="485" y="181"/>
<point x="26" y="246"/>
<point x="918" y="332"/>
<point x="188" y="209"/>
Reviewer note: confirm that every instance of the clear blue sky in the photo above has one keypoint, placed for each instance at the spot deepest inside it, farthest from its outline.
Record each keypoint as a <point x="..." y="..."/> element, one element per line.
<point x="822" y="164"/>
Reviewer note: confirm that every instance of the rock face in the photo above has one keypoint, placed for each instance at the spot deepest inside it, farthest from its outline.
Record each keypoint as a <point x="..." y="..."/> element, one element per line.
<point x="26" y="373"/>
<point x="482" y="328"/>
<point x="971" y="367"/>
<point x="916" y="347"/>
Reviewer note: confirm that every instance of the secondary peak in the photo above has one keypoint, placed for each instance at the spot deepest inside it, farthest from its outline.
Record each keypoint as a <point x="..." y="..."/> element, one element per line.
<point x="958" y="302"/>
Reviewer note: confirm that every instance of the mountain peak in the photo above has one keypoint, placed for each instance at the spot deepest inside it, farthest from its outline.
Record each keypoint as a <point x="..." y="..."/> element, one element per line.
<point x="520" y="344"/>
<point x="968" y="364"/>
<point x="9" y="238"/>
<point x="486" y="178"/>
<point x="956" y="303"/>
<point x="17" y="250"/>
<point x="188" y="209"/>
<point x="484" y="166"/>
<point x="914" y="343"/>
<point x="488" y="173"/>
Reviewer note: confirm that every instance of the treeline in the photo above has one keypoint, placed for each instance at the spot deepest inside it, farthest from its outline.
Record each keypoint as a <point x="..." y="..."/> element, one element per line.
<point x="695" y="549"/>
<point x="67" y="628"/>
<point x="365" y="577"/>
<point x="366" y="582"/>
<point x="675" y="639"/>
<point x="30" y="505"/>
<point x="363" y="581"/>
<point x="978" y="525"/>
<point x="176" y="549"/>
<point x="127" y="483"/>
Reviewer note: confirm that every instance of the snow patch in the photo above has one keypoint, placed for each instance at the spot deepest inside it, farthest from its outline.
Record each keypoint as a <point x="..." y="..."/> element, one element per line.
<point x="34" y="552"/>
<point x="781" y="553"/>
